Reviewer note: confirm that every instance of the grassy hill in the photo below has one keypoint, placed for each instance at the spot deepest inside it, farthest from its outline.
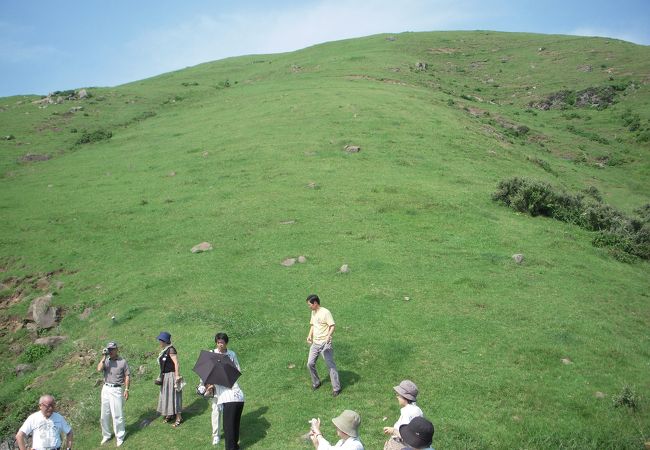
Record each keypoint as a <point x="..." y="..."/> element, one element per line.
<point x="102" y="198"/>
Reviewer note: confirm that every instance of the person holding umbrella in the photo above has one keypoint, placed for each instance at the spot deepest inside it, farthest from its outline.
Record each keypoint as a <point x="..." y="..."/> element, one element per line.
<point x="221" y="348"/>
<point x="219" y="371"/>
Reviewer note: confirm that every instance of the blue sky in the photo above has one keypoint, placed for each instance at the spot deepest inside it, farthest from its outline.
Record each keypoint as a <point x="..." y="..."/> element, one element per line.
<point x="47" y="45"/>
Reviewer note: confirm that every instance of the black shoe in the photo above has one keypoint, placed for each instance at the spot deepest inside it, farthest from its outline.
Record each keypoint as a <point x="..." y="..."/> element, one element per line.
<point x="316" y="386"/>
<point x="336" y="393"/>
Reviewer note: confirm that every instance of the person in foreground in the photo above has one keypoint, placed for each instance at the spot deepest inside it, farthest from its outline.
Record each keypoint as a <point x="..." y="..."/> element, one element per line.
<point x="227" y="401"/>
<point x="46" y="427"/>
<point x="116" y="377"/>
<point x="417" y="434"/>
<point x="406" y="393"/>
<point x="321" y="328"/>
<point x="171" y="396"/>
<point x="347" y="429"/>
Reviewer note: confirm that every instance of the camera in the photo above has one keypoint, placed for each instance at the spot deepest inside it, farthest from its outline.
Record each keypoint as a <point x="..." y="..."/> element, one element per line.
<point x="104" y="351"/>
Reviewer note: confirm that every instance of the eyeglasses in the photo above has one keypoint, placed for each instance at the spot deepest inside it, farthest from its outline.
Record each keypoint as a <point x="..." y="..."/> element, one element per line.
<point x="47" y="405"/>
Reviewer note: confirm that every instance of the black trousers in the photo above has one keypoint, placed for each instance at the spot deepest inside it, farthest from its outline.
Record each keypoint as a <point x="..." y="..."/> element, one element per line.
<point x="231" y="419"/>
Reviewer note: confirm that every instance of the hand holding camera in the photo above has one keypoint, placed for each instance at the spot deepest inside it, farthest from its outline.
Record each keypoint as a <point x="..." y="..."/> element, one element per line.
<point x="104" y="351"/>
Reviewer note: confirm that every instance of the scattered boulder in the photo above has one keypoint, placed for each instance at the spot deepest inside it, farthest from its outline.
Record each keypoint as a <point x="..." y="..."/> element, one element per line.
<point x="287" y="222"/>
<point x="22" y="369"/>
<point x="421" y="66"/>
<point x="86" y="313"/>
<point x="352" y="148"/>
<point x="518" y="258"/>
<point x="302" y="259"/>
<point x="34" y="157"/>
<point x="313" y="185"/>
<point x="51" y="341"/>
<point x="288" y="262"/>
<point x="142" y="370"/>
<point x="43" y="284"/>
<point x="172" y="173"/>
<point x="202" y="247"/>
<point x="585" y="68"/>
<point x="566" y="361"/>
<point x="391" y="38"/>
<point x="41" y="313"/>
<point x="82" y="93"/>
<point x="344" y="269"/>
<point x="16" y="348"/>
<point x="600" y="395"/>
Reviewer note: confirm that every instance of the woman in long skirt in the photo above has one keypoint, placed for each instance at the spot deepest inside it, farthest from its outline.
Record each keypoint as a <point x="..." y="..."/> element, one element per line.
<point x="171" y="397"/>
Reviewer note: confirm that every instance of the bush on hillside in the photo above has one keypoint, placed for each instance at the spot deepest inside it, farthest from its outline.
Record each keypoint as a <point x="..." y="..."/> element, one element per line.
<point x="88" y="137"/>
<point x="615" y="229"/>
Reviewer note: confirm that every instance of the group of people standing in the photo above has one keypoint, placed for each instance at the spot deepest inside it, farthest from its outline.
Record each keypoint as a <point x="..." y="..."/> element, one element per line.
<point x="411" y="431"/>
<point x="227" y="402"/>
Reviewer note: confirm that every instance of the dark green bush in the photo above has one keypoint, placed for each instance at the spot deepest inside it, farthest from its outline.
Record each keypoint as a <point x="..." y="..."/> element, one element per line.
<point x="88" y="137"/>
<point x="615" y="229"/>
<point x="627" y="397"/>
<point x="34" y="352"/>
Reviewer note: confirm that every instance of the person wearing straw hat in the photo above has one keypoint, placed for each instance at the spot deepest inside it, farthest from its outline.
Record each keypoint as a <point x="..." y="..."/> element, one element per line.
<point x="417" y="434"/>
<point x="115" y="391"/>
<point x="347" y="428"/>
<point x="406" y="393"/>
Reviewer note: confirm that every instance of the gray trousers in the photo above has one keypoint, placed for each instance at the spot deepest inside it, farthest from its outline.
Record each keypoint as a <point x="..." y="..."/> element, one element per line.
<point x="328" y="354"/>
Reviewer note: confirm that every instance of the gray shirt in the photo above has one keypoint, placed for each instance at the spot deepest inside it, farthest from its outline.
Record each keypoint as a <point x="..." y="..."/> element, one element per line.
<point x="116" y="370"/>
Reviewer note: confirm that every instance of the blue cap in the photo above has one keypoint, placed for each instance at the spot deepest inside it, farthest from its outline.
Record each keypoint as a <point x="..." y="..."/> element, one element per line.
<point x="165" y="337"/>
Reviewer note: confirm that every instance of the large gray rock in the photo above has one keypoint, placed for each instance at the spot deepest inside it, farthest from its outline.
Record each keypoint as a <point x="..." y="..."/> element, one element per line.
<point x="41" y="313"/>
<point x="518" y="258"/>
<point x="22" y="369"/>
<point x="52" y="341"/>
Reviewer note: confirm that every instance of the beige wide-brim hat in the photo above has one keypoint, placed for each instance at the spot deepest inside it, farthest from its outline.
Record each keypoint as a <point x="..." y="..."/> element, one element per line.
<point x="348" y="422"/>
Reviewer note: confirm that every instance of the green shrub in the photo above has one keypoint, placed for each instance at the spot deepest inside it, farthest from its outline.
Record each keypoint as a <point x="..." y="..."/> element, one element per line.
<point x="88" y="137"/>
<point x="614" y="228"/>
<point x="34" y="352"/>
<point x="628" y="398"/>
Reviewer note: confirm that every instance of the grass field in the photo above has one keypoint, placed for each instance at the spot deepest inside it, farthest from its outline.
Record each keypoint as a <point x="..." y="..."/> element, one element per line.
<point x="248" y="154"/>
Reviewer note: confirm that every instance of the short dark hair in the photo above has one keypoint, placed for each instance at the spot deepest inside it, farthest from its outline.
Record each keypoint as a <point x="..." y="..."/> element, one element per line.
<point x="313" y="298"/>
<point x="222" y="336"/>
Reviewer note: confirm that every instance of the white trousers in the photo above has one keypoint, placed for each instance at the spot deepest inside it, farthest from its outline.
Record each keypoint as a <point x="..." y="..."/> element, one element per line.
<point x="216" y="416"/>
<point x="112" y="402"/>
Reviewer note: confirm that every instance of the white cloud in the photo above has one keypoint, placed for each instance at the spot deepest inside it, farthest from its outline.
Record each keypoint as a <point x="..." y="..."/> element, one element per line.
<point x="211" y="37"/>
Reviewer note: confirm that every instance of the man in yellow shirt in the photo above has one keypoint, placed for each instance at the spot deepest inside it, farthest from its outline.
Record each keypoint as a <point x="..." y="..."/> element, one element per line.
<point x="321" y="328"/>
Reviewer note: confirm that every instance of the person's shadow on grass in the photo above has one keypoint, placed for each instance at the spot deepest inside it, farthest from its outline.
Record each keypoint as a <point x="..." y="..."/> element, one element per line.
<point x="348" y="378"/>
<point x="254" y="426"/>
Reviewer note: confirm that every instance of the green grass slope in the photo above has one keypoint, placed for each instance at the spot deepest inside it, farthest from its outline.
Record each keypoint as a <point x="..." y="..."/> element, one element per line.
<point x="248" y="154"/>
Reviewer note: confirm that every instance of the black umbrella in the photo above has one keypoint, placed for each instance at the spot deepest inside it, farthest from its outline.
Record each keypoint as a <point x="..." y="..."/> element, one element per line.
<point x="216" y="368"/>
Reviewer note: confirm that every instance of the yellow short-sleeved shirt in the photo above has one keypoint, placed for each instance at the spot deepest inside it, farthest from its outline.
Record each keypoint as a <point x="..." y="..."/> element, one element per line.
<point x="321" y="320"/>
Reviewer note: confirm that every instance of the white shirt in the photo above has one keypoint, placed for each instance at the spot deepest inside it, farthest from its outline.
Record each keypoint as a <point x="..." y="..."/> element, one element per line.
<point x="350" y="443"/>
<point x="46" y="430"/>
<point x="407" y="413"/>
<point x="225" y="394"/>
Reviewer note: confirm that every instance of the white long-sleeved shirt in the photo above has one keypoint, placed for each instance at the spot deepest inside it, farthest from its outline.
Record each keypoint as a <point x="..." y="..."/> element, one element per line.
<point x="350" y="443"/>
